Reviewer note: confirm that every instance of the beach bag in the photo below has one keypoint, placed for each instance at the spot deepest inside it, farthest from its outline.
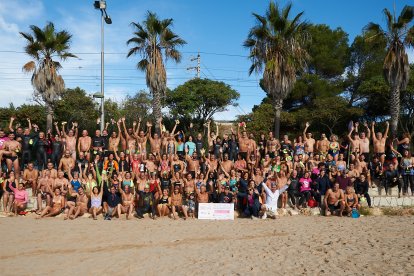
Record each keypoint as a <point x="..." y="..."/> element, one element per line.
<point x="355" y="213"/>
<point x="312" y="203"/>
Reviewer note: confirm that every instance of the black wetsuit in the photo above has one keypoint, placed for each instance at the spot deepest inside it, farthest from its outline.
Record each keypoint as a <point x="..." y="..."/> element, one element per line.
<point x="56" y="153"/>
<point x="41" y="153"/>
<point x="27" y="142"/>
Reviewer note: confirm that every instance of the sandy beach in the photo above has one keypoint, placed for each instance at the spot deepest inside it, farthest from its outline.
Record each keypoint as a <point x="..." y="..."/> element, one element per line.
<point x="291" y="245"/>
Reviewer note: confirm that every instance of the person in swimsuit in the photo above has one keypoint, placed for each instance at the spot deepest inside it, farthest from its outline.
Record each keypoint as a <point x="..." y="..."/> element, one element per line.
<point x="96" y="201"/>
<point x="8" y="195"/>
<point x="58" y="204"/>
<point x="351" y="200"/>
<point x="21" y="197"/>
<point x="176" y="202"/>
<point x="334" y="201"/>
<point x="127" y="205"/>
<point x="164" y="204"/>
<point x="81" y="204"/>
<point x="334" y="147"/>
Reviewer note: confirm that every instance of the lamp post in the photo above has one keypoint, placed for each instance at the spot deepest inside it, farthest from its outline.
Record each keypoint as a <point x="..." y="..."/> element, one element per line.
<point x="101" y="5"/>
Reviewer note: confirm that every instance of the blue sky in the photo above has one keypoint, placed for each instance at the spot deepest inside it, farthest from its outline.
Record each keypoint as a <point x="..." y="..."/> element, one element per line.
<point x="215" y="28"/>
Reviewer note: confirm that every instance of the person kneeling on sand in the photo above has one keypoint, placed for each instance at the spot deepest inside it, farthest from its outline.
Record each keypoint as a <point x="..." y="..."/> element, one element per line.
<point x="272" y="196"/>
<point x="111" y="205"/>
<point x="334" y="201"/>
<point x="351" y="200"/>
<point x="146" y="203"/>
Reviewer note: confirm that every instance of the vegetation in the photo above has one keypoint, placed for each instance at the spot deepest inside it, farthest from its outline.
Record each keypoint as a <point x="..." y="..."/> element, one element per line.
<point x="277" y="48"/>
<point x="153" y="40"/>
<point x="43" y="45"/>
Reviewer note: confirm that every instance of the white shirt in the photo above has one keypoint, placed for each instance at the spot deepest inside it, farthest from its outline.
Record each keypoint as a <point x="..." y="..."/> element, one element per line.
<point x="272" y="197"/>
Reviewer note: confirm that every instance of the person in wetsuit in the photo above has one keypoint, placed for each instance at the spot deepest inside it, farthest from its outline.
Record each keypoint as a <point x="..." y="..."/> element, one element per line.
<point x="41" y="151"/>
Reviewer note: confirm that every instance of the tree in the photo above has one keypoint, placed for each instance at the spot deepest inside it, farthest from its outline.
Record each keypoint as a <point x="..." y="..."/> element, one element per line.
<point x="328" y="51"/>
<point x="152" y="40"/>
<point x="85" y="113"/>
<point x="399" y="35"/>
<point x="200" y="99"/>
<point x="137" y="106"/>
<point x="277" y="47"/>
<point x="43" y="45"/>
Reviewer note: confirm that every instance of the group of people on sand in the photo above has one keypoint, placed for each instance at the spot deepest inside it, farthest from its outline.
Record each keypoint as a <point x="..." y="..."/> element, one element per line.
<point x="134" y="170"/>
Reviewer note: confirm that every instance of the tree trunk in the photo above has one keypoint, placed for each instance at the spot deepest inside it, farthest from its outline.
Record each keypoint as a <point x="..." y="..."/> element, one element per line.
<point x="156" y="110"/>
<point x="394" y="109"/>
<point x="49" y="117"/>
<point x="278" y="110"/>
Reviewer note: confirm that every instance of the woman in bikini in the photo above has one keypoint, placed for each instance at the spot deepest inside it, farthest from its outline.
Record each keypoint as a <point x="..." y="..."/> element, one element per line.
<point x="351" y="200"/>
<point x="164" y="204"/>
<point x="127" y="206"/>
<point x="58" y="203"/>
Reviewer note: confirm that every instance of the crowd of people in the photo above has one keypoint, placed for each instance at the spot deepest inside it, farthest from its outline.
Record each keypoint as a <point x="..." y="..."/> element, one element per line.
<point x="134" y="170"/>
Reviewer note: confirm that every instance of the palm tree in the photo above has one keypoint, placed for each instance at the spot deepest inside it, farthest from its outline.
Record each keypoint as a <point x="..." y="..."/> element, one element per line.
<point x="396" y="68"/>
<point x="276" y="46"/>
<point x="43" y="45"/>
<point x="152" y="39"/>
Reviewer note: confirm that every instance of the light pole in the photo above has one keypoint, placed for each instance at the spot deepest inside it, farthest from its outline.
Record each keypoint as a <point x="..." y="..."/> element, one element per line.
<point x="101" y="5"/>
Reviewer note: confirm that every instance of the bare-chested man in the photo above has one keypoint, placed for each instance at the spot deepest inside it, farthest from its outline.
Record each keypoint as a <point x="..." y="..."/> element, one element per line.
<point x="212" y="162"/>
<point x="244" y="142"/>
<point x="322" y="145"/>
<point x="151" y="163"/>
<point x="354" y="141"/>
<point x="379" y="141"/>
<point x="364" y="142"/>
<point x="70" y="139"/>
<point x="81" y="204"/>
<point x="155" y="142"/>
<point x="309" y="142"/>
<point x="202" y="195"/>
<point x="45" y="185"/>
<point x="66" y="162"/>
<point x="334" y="201"/>
<point x="189" y="184"/>
<point x="272" y="146"/>
<point x="127" y="206"/>
<point x="114" y="140"/>
<point x="11" y="149"/>
<point x="227" y="165"/>
<point x="130" y="138"/>
<point x="61" y="182"/>
<point x="30" y="177"/>
<point x="84" y="144"/>
<point x="52" y="171"/>
<point x="193" y="163"/>
<point x="142" y="138"/>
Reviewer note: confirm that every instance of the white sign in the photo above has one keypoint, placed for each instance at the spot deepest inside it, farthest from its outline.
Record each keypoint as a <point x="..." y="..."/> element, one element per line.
<point x="219" y="211"/>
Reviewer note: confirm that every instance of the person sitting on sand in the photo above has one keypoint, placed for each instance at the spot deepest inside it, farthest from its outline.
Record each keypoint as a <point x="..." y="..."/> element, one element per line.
<point x="81" y="204"/>
<point x="351" y="200"/>
<point x="21" y="197"/>
<point x="164" y="204"/>
<point x="225" y="196"/>
<point x="272" y="196"/>
<point x="127" y="205"/>
<point x="176" y="201"/>
<point x="57" y="204"/>
<point x="334" y="201"/>
<point x="96" y="201"/>
<point x="146" y="203"/>
<point x="111" y="204"/>
<point x="253" y="205"/>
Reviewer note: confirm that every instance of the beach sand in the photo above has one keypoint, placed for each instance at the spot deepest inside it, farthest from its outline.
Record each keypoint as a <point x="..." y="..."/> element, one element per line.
<point x="289" y="245"/>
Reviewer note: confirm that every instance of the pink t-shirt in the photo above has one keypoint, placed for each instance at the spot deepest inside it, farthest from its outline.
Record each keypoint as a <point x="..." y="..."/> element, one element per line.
<point x="2" y="140"/>
<point x="305" y="184"/>
<point x="21" y="196"/>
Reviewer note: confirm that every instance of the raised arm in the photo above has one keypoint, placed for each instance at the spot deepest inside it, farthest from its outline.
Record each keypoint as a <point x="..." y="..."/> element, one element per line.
<point x="177" y="122"/>
<point x="386" y="130"/>
<point x="63" y="129"/>
<point x="304" y="131"/>
<point x="374" y="138"/>
<point x="368" y="131"/>
<point x="350" y="134"/>
<point x="11" y="124"/>
<point x="124" y="127"/>
<point x="30" y="124"/>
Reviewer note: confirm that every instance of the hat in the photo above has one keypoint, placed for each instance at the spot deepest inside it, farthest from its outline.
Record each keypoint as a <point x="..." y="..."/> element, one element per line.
<point x="146" y="186"/>
<point x="226" y="187"/>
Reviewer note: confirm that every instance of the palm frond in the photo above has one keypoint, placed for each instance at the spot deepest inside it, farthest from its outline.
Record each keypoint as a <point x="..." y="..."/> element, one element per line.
<point x="406" y="16"/>
<point x="29" y="67"/>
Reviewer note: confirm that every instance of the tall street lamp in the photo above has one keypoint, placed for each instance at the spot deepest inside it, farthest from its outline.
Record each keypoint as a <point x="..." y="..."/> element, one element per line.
<point x="101" y="5"/>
